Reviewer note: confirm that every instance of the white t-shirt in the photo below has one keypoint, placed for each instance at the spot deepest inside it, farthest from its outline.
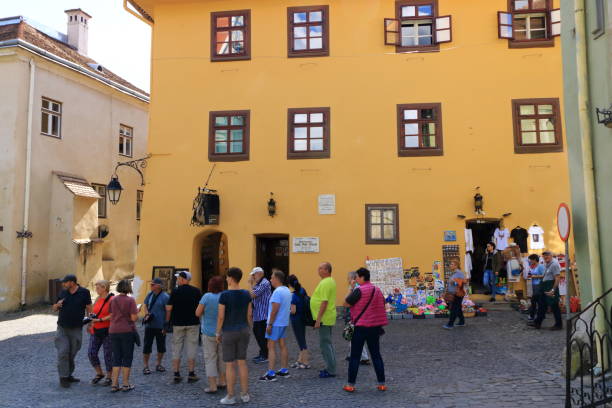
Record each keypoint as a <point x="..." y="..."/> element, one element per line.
<point x="536" y="237"/>
<point x="501" y="238"/>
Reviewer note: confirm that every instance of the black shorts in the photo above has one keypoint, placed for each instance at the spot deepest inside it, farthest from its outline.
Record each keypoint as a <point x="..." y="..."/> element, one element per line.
<point x="149" y="336"/>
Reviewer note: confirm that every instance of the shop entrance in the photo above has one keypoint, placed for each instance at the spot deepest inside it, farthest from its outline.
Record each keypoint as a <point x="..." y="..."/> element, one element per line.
<point x="482" y="232"/>
<point x="213" y="257"/>
<point x="273" y="252"/>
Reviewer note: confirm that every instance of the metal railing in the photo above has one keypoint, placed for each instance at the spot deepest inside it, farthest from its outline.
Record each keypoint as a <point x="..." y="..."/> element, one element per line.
<point x="588" y="353"/>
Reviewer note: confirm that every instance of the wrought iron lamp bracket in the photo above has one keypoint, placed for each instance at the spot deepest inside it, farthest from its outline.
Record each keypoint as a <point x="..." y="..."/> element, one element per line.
<point x="138" y="165"/>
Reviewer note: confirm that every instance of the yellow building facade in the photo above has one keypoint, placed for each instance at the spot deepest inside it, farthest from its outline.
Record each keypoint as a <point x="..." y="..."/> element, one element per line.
<point x="404" y="129"/>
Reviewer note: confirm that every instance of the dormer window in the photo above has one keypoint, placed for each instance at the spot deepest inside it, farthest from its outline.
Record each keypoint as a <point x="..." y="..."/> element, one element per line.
<point x="529" y="23"/>
<point x="417" y="26"/>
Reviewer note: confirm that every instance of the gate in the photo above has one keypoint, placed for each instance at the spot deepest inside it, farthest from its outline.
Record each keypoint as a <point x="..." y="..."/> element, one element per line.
<point x="587" y="360"/>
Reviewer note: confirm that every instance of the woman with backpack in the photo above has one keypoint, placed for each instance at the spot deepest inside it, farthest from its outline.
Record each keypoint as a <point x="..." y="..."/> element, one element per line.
<point x="368" y="316"/>
<point x="299" y="308"/>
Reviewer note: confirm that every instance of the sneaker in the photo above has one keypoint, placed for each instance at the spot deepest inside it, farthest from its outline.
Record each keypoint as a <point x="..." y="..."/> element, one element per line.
<point x="530" y="319"/>
<point x="349" y="388"/>
<point x="295" y="365"/>
<point x="72" y="379"/>
<point x="245" y="398"/>
<point x="364" y="362"/>
<point x="447" y="327"/>
<point x="267" y="378"/>
<point x="283" y="372"/>
<point x="228" y="401"/>
<point x="64" y="382"/>
<point x="326" y="374"/>
<point x="381" y="387"/>
<point x="260" y="360"/>
<point x="177" y="378"/>
<point x="257" y="359"/>
<point x="460" y="325"/>
<point x="192" y="378"/>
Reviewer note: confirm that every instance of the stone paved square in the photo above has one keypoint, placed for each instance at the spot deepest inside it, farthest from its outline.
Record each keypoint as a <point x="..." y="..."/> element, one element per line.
<point x="494" y="361"/>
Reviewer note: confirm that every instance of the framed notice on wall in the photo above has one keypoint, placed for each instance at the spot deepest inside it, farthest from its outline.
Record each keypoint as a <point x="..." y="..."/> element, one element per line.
<point x="166" y="274"/>
<point x="306" y="245"/>
<point x="327" y="204"/>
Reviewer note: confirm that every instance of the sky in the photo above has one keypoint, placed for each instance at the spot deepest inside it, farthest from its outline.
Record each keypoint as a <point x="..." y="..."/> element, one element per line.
<point x="117" y="39"/>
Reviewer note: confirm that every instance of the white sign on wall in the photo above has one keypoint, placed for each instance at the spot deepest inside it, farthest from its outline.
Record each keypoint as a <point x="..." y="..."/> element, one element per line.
<point x="387" y="274"/>
<point x="327" y="204"/>
<point x="306" y="245"/>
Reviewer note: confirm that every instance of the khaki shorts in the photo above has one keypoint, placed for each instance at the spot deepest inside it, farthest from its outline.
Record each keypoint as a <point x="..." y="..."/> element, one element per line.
<point x="213" y="357"/>
<point x="235" y="344"/>
<point x="185" y="337"/>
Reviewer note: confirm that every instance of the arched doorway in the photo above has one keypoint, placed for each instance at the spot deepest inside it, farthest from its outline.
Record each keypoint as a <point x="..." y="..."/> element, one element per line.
<point x="210" y="257"/>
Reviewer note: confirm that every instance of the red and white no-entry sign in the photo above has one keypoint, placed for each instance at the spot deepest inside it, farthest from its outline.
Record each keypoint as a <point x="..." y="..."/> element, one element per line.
<point x="564" y="221"/>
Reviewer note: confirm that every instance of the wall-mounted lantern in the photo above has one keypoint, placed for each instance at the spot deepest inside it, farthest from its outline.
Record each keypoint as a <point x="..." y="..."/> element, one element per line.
<point x="271" y="206"/>
<point x="114" y="188"/>
<point x="478" y="203"/>
<point x="604" y="117"/>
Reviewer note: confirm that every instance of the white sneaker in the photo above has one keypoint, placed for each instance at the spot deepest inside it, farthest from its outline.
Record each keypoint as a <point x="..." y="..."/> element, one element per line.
<point x="228" y="401"/>
<point x="245" y="398"/>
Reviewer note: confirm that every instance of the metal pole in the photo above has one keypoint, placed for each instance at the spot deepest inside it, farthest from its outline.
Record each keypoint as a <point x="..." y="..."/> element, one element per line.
<point x="568" y="280"/>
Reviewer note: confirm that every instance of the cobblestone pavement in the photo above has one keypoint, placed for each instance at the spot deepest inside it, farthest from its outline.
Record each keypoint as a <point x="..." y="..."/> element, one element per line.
<point x="494" y="361"/>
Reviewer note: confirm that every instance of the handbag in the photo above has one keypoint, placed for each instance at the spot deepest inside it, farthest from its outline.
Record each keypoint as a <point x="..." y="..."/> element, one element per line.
<point x="349" y="327"/>
<point x="102" y="333"/>
<point x="449" y="297"/>
<point x="136" y="338"/>
<point x="150" y="316"/>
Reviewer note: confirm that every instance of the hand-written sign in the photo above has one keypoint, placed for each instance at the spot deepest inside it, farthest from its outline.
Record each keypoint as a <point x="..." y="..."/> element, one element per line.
<point x="327" y="204"/>
<point x="306" y="245"/>
<point x="387" y="274"/>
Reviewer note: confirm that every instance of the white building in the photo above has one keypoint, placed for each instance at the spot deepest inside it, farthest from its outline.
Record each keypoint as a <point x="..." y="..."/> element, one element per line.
<point x="65" y="122"/>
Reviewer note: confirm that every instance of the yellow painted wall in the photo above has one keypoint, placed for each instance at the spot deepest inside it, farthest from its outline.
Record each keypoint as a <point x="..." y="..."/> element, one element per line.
<point x="475" y="77"/>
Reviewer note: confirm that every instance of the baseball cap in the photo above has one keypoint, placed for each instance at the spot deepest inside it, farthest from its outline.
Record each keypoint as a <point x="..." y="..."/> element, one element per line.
<point x="184" y="275"/>
<point x="157" y="281"/>
<point x="256" y="269"/>
<point x="69" y="278"/>
<point x="547" y="253"/>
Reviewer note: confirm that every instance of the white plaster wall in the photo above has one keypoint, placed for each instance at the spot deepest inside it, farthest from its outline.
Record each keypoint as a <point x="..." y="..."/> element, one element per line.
<point x="91" y="115"/>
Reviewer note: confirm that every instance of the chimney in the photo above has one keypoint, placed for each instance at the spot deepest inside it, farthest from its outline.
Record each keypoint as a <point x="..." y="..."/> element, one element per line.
<point x="77" y="29"/>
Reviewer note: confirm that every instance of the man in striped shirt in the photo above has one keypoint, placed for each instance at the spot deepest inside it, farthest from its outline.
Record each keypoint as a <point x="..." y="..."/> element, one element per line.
<point x="260" y="292"/>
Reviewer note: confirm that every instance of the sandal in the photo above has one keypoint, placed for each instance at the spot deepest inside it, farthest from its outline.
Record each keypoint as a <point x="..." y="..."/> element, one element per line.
<point x="303" y="366"/>
<point x="146" y="371"/>
<point x="115" y="388"/>
<point x="127" y="388"/>
<point x="97" y="379"/>
<point x="160" y="368"/>
<point x="107" y="382"/>
<point x="221" y="387"/>
<point x="210" y="391"/>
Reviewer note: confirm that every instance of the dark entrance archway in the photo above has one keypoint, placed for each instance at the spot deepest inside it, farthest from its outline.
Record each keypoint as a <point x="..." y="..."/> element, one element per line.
<point x="482" y="232"/>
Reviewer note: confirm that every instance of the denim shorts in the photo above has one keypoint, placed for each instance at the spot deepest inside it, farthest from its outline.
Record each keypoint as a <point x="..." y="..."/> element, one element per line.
<point x="278" y="332"/>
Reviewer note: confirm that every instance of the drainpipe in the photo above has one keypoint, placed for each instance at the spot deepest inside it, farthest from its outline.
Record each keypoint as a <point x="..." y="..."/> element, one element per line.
<point x="26" y="198"/>
<point x="584" y="119"/>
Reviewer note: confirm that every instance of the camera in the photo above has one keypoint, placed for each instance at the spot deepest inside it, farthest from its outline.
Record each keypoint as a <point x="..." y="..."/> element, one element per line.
<point x="88" y="319"/>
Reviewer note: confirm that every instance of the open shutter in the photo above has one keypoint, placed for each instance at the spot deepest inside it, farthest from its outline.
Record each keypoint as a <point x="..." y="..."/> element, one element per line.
<point x="444" y="31"/>
<point x="392" y="31"/>
<point x="555" y="22"/>
<point x="504" y="23"/>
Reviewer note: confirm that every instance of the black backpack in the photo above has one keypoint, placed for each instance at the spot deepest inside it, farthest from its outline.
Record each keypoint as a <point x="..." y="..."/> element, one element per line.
<point x="306" y="312"/>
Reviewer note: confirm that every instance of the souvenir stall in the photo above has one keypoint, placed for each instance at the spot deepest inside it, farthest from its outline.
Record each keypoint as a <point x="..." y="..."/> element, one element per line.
<point x="412" y="294"/>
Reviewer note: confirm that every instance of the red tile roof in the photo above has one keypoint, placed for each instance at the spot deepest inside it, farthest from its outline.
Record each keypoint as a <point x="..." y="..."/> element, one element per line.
<point x="31" y="35"/>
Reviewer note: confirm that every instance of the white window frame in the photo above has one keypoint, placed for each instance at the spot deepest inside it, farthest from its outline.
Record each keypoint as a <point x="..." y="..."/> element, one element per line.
<point x="126" y="140"/>
<point x="101" y="190"/>
<point x="416" y="23"/>
<point x="53" y="110"/>
<point x="528" y="30"/>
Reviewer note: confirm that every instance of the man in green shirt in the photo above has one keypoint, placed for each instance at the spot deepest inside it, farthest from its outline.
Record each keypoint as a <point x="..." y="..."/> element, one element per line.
<point x="323" y="306"/>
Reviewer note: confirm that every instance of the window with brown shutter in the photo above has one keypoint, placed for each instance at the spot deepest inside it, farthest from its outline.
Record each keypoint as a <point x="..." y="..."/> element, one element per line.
<point x="382" y="223"/>
<point x="417" y="26"/>
<point x="529" y="23"/>
<point x="308" y="133"/>
<point x="228" y="138"/>
<point x="419" y="130"/>
<point x="308" y="31"/>
<point x="230" y="35"/>
<point x="537" y="126"/>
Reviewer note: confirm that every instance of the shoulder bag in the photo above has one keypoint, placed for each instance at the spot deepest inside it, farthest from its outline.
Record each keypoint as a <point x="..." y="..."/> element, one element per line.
<point x="349" y="327"/>
<point x="150" y="316"/>
<point x="102" y="333"/>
